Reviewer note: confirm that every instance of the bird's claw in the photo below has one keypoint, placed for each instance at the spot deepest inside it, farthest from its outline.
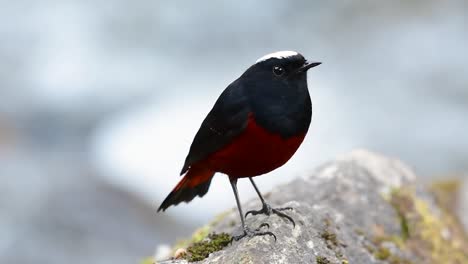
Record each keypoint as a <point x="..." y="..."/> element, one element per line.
<point x="267" y="210"/>
<point x="281" y="214"/>
<point x="253" y="233"/>
<point x="262" y="225"/>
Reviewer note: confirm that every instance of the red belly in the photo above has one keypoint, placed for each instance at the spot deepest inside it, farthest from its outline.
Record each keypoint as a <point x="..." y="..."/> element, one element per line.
<point x="254" y="152"/>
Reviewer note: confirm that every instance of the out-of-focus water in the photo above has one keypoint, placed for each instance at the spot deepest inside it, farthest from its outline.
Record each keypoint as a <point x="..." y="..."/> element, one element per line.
<point x="99" y="102"/>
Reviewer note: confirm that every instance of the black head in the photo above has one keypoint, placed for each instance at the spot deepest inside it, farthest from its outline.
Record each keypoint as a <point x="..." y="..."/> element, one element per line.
<point x="281" y="66"/>
<point x="276" y="87"/>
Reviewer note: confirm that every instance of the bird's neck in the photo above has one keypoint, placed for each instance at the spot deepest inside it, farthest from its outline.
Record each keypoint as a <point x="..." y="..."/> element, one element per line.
<point x="287" y="112"/>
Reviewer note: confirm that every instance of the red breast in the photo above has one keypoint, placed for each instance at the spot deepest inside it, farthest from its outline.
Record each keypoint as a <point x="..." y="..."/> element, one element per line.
<point x="254" y="152"/>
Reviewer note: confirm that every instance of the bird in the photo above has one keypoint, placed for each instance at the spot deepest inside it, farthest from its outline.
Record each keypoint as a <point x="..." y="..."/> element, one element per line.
<point x="255" y="126"/>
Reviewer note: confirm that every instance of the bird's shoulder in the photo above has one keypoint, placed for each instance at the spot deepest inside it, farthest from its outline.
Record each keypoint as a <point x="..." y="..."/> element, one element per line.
<point x="226" y="120"/>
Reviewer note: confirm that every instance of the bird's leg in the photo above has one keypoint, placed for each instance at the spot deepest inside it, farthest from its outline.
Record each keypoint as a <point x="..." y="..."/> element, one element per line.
<point x="246" y="230"/>
<point x="267" y="209"/>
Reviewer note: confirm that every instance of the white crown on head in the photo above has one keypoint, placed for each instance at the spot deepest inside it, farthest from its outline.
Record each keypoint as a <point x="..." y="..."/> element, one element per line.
<point x="278" y="55"/>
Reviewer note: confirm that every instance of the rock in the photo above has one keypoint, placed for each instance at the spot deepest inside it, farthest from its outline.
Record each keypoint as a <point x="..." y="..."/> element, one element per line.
<point x="463" y="203"/>
<point x="362" y="208"/>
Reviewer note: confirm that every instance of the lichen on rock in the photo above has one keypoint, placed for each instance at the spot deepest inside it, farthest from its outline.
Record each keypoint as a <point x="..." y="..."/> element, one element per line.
<point x="432" y="233"/>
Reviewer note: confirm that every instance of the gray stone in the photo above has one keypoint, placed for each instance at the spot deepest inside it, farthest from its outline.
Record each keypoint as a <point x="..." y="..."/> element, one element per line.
<point x="340" y="211"/>
<point x="463" y="203"/>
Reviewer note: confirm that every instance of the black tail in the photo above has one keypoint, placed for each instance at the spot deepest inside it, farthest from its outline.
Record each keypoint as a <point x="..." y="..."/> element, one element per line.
<point x="195" y="182"/>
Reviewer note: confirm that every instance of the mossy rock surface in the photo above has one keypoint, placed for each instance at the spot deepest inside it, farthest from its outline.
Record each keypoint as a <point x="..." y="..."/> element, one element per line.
<point x="201" y="250"/>
<point x="362" y="208"/>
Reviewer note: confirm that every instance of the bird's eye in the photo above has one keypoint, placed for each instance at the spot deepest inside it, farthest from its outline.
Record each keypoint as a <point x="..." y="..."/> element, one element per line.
<point x="278" y="70"/>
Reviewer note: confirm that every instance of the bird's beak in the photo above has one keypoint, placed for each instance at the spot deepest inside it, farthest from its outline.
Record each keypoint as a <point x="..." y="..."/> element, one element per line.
<point x="308" y="65"/>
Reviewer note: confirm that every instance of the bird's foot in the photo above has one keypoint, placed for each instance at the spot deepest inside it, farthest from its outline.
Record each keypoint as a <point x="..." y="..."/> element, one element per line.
<point x="268" y="210"/>
<point x="252" y="233"/>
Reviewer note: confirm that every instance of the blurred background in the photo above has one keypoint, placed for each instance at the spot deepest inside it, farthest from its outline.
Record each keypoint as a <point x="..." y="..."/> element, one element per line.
<point x="99" y="102"/>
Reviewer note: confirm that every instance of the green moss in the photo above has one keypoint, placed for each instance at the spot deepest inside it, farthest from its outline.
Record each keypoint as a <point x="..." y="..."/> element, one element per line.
<point x="382" y="253"/>
<point x="428" y="235"/>
<point x="432" y="237"/>
<point x="402" y="203"/>
<point x="201" y="250"/>
<point x="199" y="234"/>
<point x="322" y="260"/>
<point x="330" y="238"/>
<point x="404" y="226"/>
